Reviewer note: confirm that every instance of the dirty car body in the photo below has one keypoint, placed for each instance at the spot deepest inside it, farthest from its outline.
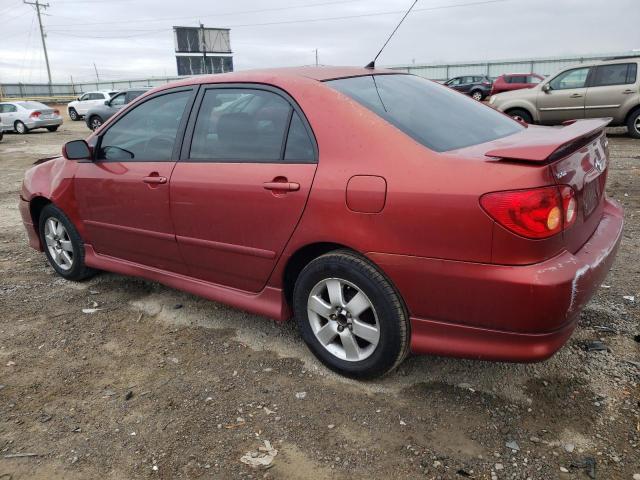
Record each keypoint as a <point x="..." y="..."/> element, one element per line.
<point x="490" y="235"/>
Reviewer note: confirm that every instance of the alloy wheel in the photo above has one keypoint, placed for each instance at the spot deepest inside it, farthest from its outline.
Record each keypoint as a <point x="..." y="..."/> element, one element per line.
<point x="636" y="124"/>
<point x="343" y="319"/>
<point x="95" y="123"/>
<point x="73" y="115"/>
<point x="20" y="127"/>
<point x="477" y="96"/>
<point x="58" y="243"/>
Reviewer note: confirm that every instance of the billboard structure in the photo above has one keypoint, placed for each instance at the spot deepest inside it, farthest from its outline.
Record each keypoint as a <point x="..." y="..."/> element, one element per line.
<point x="202" y="50"/>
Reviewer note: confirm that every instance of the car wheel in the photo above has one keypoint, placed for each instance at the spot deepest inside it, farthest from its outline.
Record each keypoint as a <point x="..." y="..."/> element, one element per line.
<point x="520" y="115"/>
<point x="95" y="122"/>
<point x="633" y="124"/>
<point x="350" y="315"/>
<point x="477" y="95"/>
<point x="62" y="244"/>
<point x="20" y="127"/>
<point x="73" y="115"/>
<point x="53" y="129"/>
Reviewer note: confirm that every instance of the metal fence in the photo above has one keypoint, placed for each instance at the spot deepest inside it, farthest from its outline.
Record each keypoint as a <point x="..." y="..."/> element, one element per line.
<point x="69" y="91"/>
<point x="494" y="68"/>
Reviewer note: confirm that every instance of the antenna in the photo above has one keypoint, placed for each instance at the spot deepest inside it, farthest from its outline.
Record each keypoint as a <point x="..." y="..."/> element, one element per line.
<point x="372" y="64"/>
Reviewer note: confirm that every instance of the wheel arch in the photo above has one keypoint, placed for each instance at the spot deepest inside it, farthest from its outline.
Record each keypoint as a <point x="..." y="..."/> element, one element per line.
<point x="36" y="205"/>
<point x="631" y="111"/>
<point x="523" y="108"/>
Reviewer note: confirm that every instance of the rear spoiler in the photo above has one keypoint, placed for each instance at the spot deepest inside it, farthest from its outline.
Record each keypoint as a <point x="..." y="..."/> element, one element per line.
<point x="547" y="144"/>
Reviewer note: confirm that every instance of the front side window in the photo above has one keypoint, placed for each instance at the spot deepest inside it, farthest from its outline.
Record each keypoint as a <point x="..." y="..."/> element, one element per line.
<point x="576" y="78"/>
<point x="146" y="133"/>
<point x="84" y="97"/>
<point x="454" y="81"/>
<point x="118" y="100"/>
<point x="431" y="114"/>
<point x="616" y="74"/>
<point x="240" y="125"/>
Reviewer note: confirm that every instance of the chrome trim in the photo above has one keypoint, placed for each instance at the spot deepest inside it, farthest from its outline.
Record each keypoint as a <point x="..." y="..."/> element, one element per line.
<point x="602" y="106"/>
<point x="560" y="108"/>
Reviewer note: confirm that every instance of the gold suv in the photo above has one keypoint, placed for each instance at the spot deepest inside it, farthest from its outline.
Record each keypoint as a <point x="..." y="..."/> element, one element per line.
<point x="609" y="88"/>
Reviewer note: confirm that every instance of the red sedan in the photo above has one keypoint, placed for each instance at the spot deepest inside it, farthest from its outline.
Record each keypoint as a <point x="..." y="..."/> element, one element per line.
<point x="387" y="213"/>
<point x="515" y="81"/>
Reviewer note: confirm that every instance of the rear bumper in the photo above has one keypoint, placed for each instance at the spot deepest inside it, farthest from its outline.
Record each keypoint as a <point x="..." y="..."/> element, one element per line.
<point x="27" y="221"/>
<point x="497" y="312"/>
<point x="44" y="123"/>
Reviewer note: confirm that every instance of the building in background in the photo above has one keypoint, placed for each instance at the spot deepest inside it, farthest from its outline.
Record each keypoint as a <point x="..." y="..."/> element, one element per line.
<point x="202" y="50"/>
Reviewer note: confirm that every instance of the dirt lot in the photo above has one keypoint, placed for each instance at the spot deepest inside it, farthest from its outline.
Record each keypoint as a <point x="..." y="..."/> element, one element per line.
<point x="161" y="384"/>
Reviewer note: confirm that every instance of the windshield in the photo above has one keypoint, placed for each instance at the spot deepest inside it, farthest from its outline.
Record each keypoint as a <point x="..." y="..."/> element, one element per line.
<point x="433" y="115"/>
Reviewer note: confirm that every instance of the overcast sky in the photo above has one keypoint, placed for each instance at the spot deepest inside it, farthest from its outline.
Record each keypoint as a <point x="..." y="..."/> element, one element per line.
<point x="134" y="39"/>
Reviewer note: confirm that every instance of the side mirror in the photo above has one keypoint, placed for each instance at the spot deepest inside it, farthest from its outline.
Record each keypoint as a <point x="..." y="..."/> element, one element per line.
<point x="76" y="150"/>
<point x="546" y="88"/>
<point x="78" y="99"/>
<point x="107" y="102"/>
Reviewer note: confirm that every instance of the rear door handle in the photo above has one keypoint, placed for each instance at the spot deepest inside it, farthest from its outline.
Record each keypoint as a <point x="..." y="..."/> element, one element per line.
<point x="575" y="95"/>
<point x="154" y="179"/>
<point x="283" y="186"/>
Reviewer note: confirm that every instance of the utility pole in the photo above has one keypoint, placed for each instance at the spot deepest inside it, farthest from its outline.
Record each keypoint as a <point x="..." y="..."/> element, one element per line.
<point x="204" y="50"/>
<point x="38" y="6"/>
<point x="316" y="57"/>
<point x="97" y="76"/>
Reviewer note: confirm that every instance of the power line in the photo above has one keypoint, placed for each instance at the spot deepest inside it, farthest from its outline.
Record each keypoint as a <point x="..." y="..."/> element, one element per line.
<point x="139" y="33"/>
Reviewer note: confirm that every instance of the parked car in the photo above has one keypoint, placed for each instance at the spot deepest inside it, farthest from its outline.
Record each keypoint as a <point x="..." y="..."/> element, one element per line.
<point x="79" y="108"/>
<point x="476" y="86"/>
<point x="23" y="116"/>
<point x="384" y="211"/>
<point x="99" y="114"/>
<point x="515" y="81"/>
<point x="592" y="90"/>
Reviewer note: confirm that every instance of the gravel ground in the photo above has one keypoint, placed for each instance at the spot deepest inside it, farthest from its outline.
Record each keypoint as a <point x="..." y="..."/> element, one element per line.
<point x="161" y="384"/>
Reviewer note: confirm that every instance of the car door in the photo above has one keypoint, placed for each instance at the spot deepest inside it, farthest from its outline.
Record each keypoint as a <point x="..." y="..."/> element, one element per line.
<point x="83" y="104"/>
<point x="117" y="102"/>
<point x="454" y="83"/>
<point x="563" y="97"/>
<point x="611" y="86"/>
<point x="123" y="195"/>
<point x="241" y="184"/>
<point x="10" y="112"/>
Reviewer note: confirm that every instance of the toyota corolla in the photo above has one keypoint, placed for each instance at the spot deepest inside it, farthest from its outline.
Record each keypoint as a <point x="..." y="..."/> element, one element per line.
<point x="388" y="214"/>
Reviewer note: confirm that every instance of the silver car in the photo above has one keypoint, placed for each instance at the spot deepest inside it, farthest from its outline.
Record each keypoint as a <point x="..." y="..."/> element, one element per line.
<point x="22" y="117"/>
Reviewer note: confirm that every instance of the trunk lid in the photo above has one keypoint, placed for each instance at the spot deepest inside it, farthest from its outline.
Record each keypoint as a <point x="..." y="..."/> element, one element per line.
<point x="577" y="155"/>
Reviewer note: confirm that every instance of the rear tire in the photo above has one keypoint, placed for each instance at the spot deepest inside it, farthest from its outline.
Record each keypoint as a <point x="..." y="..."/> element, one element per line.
<point x="73" y="115"/>
<point x="520" y="114"/>
<point x="633" y="124"/>
<point x="20" y="127"/>
<point x="52" y="129"/>
<point x="350" y="316"/>
<point x="62" y="244"/>
<point x="477" y="95"/>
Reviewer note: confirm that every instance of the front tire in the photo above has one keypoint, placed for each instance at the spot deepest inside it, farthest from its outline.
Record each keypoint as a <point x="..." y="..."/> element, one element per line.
<point x="350" y="315"/>
<point x="20" y="127"/>
<point x="521" y="115"/>
<point x="62" y="244"/>
<point x="73" y="115"/>
<point x="633" y="124"/>
<point x="95" y="122"/>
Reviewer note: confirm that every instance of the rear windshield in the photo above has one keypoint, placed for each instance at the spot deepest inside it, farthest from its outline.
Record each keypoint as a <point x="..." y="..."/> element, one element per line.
<point x="32" y="105"/>
<point x="432" y="114"/>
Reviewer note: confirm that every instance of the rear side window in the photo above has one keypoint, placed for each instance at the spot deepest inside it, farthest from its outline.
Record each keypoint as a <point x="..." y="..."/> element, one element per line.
<point x="616" y="74"/>
<point x="533" y="79"/>
<point x="147" y="133"/>
<point x="433" y="115"/>
<point x="248" y="125"/>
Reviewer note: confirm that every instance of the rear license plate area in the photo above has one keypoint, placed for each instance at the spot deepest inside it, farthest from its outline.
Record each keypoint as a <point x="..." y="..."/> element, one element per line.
<point x="591" y="196"/>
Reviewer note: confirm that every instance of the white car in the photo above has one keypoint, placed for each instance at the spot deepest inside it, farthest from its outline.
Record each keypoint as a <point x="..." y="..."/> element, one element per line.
<point x="79" y="108"/>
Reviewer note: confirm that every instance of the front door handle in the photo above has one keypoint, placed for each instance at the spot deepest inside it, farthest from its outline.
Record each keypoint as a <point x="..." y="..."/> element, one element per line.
<point x="282" y="186"/>
<point x="154" y="179"/>
<point x="628" y="91"/>
<point x="575" y="95"/>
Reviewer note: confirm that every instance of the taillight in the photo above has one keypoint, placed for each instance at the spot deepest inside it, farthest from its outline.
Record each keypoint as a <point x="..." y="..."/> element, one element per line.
<point x="534" y="213"/>
<point x="35" y="114"/>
